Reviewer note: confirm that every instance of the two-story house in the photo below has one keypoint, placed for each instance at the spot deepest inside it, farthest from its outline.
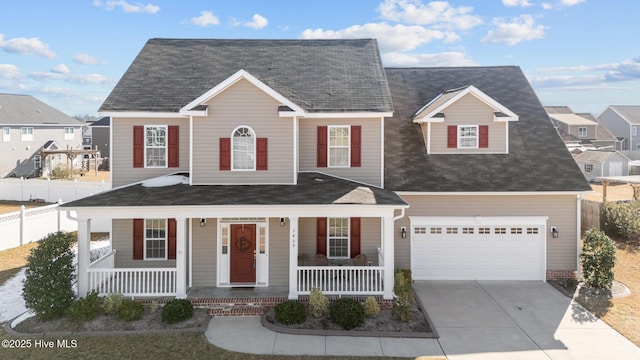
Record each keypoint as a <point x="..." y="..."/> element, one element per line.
<point x="28" y="125"/>
<point x="581" y="129"/>
<point x="624" y="123"/>
<point x="285" y="163"/>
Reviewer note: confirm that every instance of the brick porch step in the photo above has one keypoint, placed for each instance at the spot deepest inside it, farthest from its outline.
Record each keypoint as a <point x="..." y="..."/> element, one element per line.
<point x="236" y="306"/>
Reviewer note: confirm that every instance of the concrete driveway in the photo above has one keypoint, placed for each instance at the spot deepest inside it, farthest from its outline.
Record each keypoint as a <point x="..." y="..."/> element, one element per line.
<point x="516" y="320"/>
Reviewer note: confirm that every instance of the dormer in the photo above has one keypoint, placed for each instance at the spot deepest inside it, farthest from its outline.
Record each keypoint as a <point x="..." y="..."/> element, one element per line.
<point x="465" y="121"/>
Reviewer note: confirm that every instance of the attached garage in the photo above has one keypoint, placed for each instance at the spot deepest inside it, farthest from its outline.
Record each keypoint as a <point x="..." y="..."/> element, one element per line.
<point x="478" y="248"/>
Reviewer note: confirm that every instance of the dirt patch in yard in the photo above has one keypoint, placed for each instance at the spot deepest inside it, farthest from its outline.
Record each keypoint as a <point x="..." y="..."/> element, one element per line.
<point x="615" y="192"/>
<point x="7" y="206"/>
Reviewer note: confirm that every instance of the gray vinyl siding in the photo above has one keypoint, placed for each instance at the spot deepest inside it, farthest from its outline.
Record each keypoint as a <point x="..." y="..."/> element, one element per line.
<point x="204" y="245"/>
<point x="243" y="104"/>
<point x="617" y="126"/>
<point x="469" y="110"/>
<point x="122" y="170"/>
<point x="561" y="210"/>
<point x="122" y="242"/>
<point x="371" y="149"/>
<point x="18" y="156"/>
<point x="602" y="168"/>
<point x="278" y="253"/>
<point x="100" y="138"/>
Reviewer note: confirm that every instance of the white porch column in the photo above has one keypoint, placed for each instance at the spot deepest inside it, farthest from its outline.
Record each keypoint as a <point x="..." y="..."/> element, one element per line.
<point x="293" y="258"/>
<point x="84" y="256"/>
<point x="389" y="256"/>
<point x="181" y="259"/>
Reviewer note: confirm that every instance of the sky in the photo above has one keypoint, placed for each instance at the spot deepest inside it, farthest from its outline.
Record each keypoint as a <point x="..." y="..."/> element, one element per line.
<point x="580" y="53"/>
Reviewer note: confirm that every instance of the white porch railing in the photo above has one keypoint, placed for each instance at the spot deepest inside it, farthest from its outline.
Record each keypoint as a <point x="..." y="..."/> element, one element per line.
<point x="341" y="280"/>
<point x="131" y="281"/>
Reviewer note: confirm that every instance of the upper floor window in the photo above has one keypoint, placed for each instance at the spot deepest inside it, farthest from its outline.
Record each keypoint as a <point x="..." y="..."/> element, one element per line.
<point x="243" y="149"/>
<point x="69" y="133"/>
<point x="339" y="146"/>
<point x="588" y="167"/>
<point x="634" y="131"/>
<point x="37" y="162"/>
<point x="582" y="132"/>
<point x="6" y="134"/>
<point x="26" y="134"/>
<point x="155" y="146"/>
<point x="468" y="136"/>
<point x="338" y="239"/>
<point x="155" y="239"/>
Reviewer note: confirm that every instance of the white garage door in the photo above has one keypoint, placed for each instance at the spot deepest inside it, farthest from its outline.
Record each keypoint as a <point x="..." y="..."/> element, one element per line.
<point x="615" y="168"/>
<point x="478" y="248"/>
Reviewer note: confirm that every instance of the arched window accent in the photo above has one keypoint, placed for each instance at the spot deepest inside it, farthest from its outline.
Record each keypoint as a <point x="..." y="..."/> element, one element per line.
<point x="243" y="145"/>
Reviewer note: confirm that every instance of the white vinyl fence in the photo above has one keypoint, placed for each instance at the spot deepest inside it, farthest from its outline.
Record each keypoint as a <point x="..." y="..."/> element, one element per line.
<point x="49" y="191"/>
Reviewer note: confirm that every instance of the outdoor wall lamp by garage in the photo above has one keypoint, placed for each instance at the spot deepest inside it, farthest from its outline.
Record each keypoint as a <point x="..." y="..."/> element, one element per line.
<point x="281" y="221"/>
<point x="554" y="232"/>
<point x="203" y="222"/>
<point x="403" y="232"/>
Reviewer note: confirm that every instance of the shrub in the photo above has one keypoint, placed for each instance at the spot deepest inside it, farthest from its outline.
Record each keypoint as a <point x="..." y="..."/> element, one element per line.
<point x="290" y="312"/>
<point x="598" y="257"/>
<point x="318" y="303"/>
<point x="177" y="310"/>
<point x="130" y="310"/>
<point x="371" y="307"/>
<point x="347" y="313"/>
<point x="402" y="288"/>
<point x="49" y="275"/>
<point x="623" y="219"/>
<point x="85" y="309"/>
<point x="111" y="304"/>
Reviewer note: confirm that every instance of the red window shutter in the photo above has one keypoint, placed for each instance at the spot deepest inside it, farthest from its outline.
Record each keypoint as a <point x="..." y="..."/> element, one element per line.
<point x="173" y="147"/>
<point x="138" y="239"/>
<point x="483" y="141"/>
<point x="322" y="146"/>
<point x="138" y="146"/>
<point x="355" y="236"/>
<point x="356" y="132"/>
<point x="225" y="153"/>
<point x="452" y="136"/>
<point x="261" y="153"/>
<point x="171" y="239"/>
<point x="321" y="236"/>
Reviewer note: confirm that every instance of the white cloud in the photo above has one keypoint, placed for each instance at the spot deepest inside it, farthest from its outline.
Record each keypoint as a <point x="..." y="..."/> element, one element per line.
<point x="570" y="2"/>
<point x="85" y="59"/>
<point x="390" y="37"/>
<point x="512" y="3"/>
<point x="127" y="7"/>
<point x="70" y="78"/>
<point x="547" y="6"/>
<point x="597" y="75"/>
<point x="439" y="14"/>
<point x="60" y="69"/>
<point x="9" y="71"/>
<point x="26" y="46"/>
<point x="453" y="58"/>
<point x="258" y="22"/>
<point x="206" y="18"/>
<point x="522" y="28"/>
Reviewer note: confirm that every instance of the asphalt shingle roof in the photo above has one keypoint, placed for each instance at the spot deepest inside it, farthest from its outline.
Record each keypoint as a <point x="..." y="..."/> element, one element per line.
<point x="538" y="160"/>
<point x="27" y="110"/>
<point x="629" y="112"/>
<point x="317" y="75"/>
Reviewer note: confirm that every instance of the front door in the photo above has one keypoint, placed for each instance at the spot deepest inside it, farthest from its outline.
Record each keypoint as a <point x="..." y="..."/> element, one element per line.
<point x="243" y="256"/>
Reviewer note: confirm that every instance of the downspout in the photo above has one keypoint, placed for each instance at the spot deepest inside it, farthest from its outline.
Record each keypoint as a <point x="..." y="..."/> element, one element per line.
<point x="399" y="216"/>
<point x="578" y="234"/>
<point x="190" y="149"/>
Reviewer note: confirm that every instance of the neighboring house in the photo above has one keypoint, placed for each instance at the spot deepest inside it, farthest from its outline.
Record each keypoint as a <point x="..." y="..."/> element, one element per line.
<point x="236" y="170"/>
<point x="27" y="125"/>
<point x="596" y="164"/>
<point x="624" y="123"/>
<point x="581" y="129"/>
<point x="101" y="138"/>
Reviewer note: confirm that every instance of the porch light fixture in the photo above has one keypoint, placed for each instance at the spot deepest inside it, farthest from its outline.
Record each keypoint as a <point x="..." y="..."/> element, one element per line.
<point x="554" y="232"/>
<point x="403" y="232"/>
<point x="281" y="221"/>
<point x="203" y="222"/>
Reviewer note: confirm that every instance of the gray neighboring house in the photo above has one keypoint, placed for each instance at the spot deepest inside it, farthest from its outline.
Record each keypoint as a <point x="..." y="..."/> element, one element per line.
<point x="623" y="121"/>
<point x="595" y="164"/>
<point x="27" y="125"/>
<point x="581" y="128"/>
<point x="100" y="136"/>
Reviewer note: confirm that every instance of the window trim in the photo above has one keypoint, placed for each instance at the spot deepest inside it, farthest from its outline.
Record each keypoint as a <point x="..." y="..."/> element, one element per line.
<point x="69" y="135"/>
<point x="348" y="237"/>
<point x="37" y="161"/>
<point x="6" y="134"/>
<point x="253" y="135"/>
<point x="583" y="131"/>
<point x="166" y="147"/>
<point x="588" y="167"/>
<point x="634" y="130"/>
<point x="28" y="136"/>
<point x="476" y="137"/>
<point x="166" y="240"/>
<point x="348" y="146"/>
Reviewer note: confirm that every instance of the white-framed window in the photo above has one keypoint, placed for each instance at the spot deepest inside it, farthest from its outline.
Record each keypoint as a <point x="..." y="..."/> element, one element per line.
<point x="338" y="238"/>
<point x="634" y="131"/>
<point x="637" y="147"/>
<point x="467" y="136"/>
<point x="155" y="239"/>
<point x="6" y="134"/>
<point x="155" y="146"/>
<point x="243" y="149"/>
<point x="26" y="134"/>
<point x="37" y="162"/>
<point x="339" y="145"/>
<point x="582" y="132"/>
<point x="69" y="133"/>
<point x="588" y="167"/>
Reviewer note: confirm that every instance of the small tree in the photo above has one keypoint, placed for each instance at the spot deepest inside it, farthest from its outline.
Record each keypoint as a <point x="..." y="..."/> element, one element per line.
<point x="598" y="257"/>
<point x="50" y="273"/>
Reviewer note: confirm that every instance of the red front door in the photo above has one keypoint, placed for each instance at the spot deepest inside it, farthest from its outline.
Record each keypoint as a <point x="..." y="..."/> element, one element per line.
<point x="243" y="246"/>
